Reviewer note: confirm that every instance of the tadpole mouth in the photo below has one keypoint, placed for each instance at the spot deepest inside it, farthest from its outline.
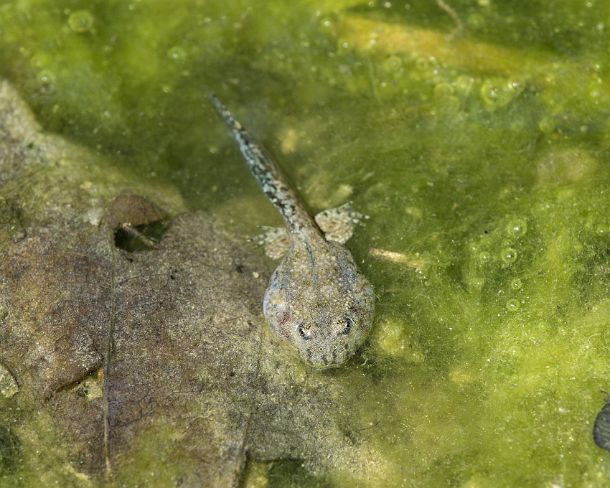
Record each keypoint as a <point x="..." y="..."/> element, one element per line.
<point x="326" y="360"/>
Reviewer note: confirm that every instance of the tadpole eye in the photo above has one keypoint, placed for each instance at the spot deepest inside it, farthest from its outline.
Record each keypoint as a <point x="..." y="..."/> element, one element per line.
<point x="348" y="323"/>
<point x="303" y="332"/>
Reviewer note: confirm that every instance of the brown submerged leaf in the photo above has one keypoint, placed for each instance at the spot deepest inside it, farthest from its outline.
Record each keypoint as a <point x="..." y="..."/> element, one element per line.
<point x="148" y="362"/>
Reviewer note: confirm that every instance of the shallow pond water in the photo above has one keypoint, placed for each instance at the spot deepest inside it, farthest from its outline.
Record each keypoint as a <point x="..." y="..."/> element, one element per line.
<point x="474" y="134"/>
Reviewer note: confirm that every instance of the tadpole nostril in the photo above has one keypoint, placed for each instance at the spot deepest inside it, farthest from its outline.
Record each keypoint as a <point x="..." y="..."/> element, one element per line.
<point x="303" y="332"/>
<point x="348" y="323"/>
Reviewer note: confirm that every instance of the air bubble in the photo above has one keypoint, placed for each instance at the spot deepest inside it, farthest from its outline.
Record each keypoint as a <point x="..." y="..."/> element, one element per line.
<point x="516" y="284"/>
<point x="475" y="21"/>
<point x="414" y="212"/>
<point x="497" y="93"/>
<point x="177" y="54"/>
<point x="392" y="64"/>
<point x="508" y="255"/>
<point x="513" y="305"/>
<point x="517" y="227"/>
<point x="484" y="257"/>
<point x="546" y="125"/>
<point x="463" y="84"/>
<point x="81" y="21"/>
<point x="46" y="79"/>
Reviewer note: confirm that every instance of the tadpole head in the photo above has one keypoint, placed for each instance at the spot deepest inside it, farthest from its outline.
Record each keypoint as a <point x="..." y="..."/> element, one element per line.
<point x="326" y="324"/>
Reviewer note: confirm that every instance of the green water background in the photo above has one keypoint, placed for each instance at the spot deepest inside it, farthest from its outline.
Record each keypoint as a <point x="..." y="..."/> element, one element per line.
<point x="488" y="181"/>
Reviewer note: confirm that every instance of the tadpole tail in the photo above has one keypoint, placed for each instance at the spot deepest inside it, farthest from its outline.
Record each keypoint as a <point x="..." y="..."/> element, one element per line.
<point x="224" y="113"/>
<point x="267" y="174"/>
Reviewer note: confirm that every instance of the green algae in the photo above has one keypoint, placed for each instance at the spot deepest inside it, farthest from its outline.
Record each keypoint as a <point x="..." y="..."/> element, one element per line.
<point x="288" y="473"/>
<point x="10" y="451"/>
<point x="485" y="153"/>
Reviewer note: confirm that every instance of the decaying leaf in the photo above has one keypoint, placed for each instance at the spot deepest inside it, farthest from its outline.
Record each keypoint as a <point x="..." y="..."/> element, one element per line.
<point x="149" y="362"/>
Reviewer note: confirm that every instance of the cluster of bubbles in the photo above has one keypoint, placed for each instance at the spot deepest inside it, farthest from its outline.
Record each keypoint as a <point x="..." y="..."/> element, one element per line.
<point x="515" y="229"/>
<point x="505" y="241"/>
<point x="79" y="22"/>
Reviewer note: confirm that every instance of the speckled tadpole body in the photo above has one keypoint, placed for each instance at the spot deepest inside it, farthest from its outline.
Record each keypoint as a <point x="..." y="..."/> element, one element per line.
<point x="316" y="298"/>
